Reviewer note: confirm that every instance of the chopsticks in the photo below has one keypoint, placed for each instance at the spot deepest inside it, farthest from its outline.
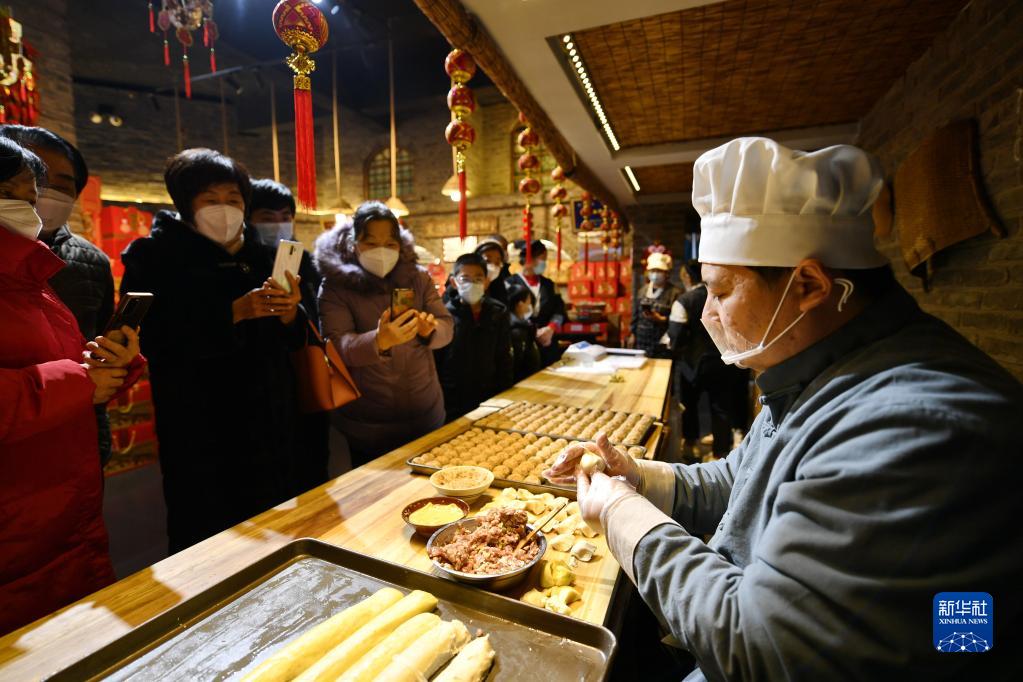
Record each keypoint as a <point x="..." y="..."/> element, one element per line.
<point x="523" y="541"/>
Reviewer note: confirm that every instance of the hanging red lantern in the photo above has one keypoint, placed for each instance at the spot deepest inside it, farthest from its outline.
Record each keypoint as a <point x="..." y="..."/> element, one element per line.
<point x="558" y="195"/>
<point x="459" y="133"/>
<point x="184" y="17"/>
<point x="560" y="211"/>
<point x="529" y="186"/>
<point x="303" y="28"/>
<point x="558" y="175"/>
<point x="528" y="139"/>
<point x="528" y="162"/>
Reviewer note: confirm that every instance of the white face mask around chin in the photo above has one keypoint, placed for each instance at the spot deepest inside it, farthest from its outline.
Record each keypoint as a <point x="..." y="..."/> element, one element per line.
<point x="220" y="223"/>
<point x="472" y="293"/>
<point x="20" y="218"/>
<point x="379" y="261"/>
<point x="54" y="209"/>
<point x="272" y="233"/>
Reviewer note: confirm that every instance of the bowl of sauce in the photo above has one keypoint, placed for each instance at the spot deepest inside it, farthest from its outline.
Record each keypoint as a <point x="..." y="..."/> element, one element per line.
<point x="426" y="516"/>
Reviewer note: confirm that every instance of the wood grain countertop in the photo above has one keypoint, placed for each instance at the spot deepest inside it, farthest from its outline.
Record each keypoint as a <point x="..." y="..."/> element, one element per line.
<point x="360" y="510"/>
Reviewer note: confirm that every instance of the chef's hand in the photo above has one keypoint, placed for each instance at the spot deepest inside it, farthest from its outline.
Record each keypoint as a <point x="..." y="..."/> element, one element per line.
<point x="426" y="324"/>
<point x="616" y="463"/>
<point x="598" y="492"/>
<point x="391" y="333"/>
<point x="282" y="304"/>
<point x="109" y="353"/>
<point x="544" y="336"/>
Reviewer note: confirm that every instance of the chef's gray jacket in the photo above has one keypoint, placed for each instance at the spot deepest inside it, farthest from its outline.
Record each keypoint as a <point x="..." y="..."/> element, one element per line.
<point x="882" y="469"/>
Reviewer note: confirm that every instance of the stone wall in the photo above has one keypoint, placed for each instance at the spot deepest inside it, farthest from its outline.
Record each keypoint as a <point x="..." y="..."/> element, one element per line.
<point x="46" y="29"/>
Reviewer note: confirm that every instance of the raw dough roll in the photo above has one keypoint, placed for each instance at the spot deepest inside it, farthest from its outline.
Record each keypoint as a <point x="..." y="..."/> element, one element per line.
<point x="471" y="664"/>
<point x="428" y="653"/>
<point x="303" y="651"/>
<point x="380" y="656"/>
<point x="343" y="656"/>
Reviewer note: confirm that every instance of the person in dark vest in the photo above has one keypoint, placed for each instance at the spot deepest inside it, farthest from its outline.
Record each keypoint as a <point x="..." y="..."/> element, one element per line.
<point x="549" y="307"/>
<point x="650" y="317"/>
<point x="525" y="350"/>
<point x="86" y="284"/>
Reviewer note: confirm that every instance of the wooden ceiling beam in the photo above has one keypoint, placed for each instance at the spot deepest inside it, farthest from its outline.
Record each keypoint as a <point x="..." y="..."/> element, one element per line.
<point x="463" y="31"/>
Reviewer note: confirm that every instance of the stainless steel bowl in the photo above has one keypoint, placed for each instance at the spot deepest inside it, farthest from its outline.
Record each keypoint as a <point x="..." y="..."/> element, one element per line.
<point x="496" y="582"/>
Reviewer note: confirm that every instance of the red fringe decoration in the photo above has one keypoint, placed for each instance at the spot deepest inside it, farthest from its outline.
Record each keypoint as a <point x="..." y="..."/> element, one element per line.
<point x="527" y="224"/>
<point x="305" y="149"/>
<point x="213" y="60"/>
<point x="463" y="220"/>
<point x="166" y="51"/>
<point x="152" y="21"/>
<point x="3" y="114"/>
<point x="586" y="253"/>
<point x="559" y="250"/>
<point x="188" y="77"/>
<point x="205" y="34"/>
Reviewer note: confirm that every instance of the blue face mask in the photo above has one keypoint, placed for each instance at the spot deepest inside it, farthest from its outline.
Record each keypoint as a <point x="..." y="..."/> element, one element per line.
<point x="539" y="267"/>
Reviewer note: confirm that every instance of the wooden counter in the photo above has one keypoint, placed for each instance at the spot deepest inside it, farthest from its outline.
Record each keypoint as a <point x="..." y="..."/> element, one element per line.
<point x="360" y="511"/>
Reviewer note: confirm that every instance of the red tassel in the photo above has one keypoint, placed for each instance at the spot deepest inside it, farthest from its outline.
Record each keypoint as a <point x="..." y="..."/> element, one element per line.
<point x="3" y="114"/>
<point x="463" y="219"/>
<point x="152" y="21"/>
<point x="205" y="34"/>
<point x="213" y="60"/>
<point x="305" y="149"/>
<point x="586" y="253"/>
<point x="188" y="77"/>
<point x="527" y="224"/>
<point x="559" y="250"/>
<point x="166" y="51"/>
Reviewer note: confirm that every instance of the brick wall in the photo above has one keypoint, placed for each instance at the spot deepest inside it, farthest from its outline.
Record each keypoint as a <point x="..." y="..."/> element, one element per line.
<point x="973" y="70"/>
<point x="664" y="223"/>
<point x="45" y="27"/>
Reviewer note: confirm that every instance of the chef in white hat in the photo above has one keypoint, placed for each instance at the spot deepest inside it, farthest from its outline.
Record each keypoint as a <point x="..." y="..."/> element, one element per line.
<point x="882" y="470"/>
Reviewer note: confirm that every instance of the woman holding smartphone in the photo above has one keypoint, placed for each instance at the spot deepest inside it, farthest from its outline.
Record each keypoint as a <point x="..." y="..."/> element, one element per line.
<point x="367" y="263"/>
<point x="218" y="337"/>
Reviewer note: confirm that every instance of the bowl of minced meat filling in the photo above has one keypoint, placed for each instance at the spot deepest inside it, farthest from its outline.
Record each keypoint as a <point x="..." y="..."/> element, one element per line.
<point x="481" y="550"/>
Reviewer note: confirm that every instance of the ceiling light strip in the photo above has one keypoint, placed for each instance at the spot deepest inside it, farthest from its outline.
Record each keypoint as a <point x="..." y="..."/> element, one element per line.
<point x="632" y="178"/>
<point x="575" y="60"/>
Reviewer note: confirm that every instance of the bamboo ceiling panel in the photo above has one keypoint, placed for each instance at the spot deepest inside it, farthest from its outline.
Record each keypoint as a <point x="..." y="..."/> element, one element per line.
<point x="748" y="66"/>
<point x="667" y="179"/>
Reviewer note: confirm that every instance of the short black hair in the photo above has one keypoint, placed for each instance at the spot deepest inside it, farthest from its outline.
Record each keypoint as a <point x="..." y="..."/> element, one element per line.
<point x="14" y="159"/>
<point x="272" y="195"/>
<point x="468" y="259"/>
<point x="518" y="293"/>
<point x="692" y="268"/>
<point x="369" y="211"/>
<point x="192" y="171"/>
<point x="492" y="245"/>
<point x="34" y="136"/>
<point x="538" y="249"/>
<point x="870" y="282"/>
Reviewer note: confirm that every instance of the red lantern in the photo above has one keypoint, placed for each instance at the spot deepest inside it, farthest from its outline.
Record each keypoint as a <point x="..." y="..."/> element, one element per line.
<point x="558" y="175"/>
<point x="558" y="193"/>
<point x="461" y="101"/>
<point x="586" y="196"/>
<point x="522" y="119"/>
<point x="303" y="28"/>
<point x="528" y="138"/>
<point x="529" y="186"/>
<point x="560" y="211"/>
<point x="460" y="135"/>
<point x="586" y="226"/>
<point x="586" y="210"/>
<point x="459" y="66"/>
<point x="528" y="162"/>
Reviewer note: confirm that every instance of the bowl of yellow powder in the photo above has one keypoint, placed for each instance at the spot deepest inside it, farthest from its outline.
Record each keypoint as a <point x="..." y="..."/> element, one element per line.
<point x="426" y="516"/>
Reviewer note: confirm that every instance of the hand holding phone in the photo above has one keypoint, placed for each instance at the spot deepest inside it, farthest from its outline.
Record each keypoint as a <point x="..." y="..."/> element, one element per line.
<point x="401" y="301"/>
<point x="288" y="259"/>
<point x="106" y="353"/>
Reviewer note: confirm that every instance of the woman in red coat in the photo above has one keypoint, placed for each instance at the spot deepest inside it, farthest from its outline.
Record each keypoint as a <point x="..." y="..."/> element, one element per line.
<point x="53" y="544"/>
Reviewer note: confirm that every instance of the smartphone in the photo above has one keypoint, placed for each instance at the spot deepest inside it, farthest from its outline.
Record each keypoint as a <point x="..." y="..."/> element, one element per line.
<point x="402" y="300"/>
<point x="130" y="311"/>
<point x="646" y="307"/>
<point x="289" y="258"/>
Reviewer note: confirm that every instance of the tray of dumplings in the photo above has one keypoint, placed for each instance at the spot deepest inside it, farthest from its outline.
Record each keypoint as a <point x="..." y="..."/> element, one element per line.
<point x="627" y="429"/>
<point x="313" y="611"/>
<point x="516" y="459"/>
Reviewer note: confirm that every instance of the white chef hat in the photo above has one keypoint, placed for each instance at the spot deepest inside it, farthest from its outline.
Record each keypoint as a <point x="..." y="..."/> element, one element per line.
<point x="763" y="204"/>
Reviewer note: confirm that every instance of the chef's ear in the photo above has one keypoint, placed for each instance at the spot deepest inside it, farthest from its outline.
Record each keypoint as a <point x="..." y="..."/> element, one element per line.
<point x="812" y="284"/>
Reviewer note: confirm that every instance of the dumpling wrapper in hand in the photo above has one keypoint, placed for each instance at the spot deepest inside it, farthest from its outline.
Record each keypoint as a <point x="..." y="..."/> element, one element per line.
<point x="590" y="463"/>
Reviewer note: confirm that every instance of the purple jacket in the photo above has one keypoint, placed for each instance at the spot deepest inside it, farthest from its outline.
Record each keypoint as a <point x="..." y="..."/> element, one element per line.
<point x="401" y="395"/>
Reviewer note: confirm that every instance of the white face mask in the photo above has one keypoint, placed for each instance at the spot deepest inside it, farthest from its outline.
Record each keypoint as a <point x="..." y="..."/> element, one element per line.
<point x="271" y="233"/>
<point x="379" y="261"/>
<point x="220" y="223"/>
<point x="54" y="208"/>
<point x="20" y="218"/>
<point x="657" y="278"/>
<point x="734" y="347"/>
<point x="471" y="292"/>
<point x="493" y="271"/>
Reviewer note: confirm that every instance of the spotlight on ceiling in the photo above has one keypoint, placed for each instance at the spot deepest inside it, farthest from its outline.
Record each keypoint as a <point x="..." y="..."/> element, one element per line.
<point x="115" y="120"/>
<point x="96" y="117"/>
<point x="335" y="9"/>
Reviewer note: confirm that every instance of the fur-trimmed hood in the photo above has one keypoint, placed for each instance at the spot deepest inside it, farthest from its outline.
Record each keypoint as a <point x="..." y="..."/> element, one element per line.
<point x="337" y="259"/>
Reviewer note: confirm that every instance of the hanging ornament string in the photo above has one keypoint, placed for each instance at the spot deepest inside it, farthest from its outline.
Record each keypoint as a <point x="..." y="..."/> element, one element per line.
<point x="303" y="28"/>
<point x="529" y="164"/>
<point x="152" y="19"/>
<point x="185" y="17"/>
<point x="605" y="239"/>
<point x="586" y="226"/>
<point x="560" y="210"/>
<point x="460" y="134"/>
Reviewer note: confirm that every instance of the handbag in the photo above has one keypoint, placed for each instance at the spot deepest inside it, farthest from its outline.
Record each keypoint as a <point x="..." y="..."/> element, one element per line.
<point x="323" y="380"/>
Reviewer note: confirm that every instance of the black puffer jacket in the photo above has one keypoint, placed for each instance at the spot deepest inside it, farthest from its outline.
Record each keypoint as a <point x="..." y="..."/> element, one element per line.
<point x="86" y="287"/>
<point x="525" y="349"/>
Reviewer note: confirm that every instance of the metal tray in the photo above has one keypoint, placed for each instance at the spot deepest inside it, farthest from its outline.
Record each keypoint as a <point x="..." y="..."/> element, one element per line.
<point x="535" y="488"/>
<point x="234" y="625"/>
<point x="646" y="434"/>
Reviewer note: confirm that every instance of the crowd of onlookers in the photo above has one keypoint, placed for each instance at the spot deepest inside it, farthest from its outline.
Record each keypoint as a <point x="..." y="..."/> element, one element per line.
<point x="218" y="341"/>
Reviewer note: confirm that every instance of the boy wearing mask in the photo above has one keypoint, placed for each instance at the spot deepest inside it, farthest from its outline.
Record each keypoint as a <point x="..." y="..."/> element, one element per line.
<point x="477" y="364"/>
<point x="549" y="308"/>
<point x="650" y="318"/>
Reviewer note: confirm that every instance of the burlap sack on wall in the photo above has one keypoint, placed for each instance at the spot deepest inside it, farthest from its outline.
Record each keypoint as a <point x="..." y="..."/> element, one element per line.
<point x="939" y="198"/>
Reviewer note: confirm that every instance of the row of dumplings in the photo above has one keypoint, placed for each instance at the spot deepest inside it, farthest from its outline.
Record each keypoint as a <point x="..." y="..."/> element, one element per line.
<point x="581" y="423"/>
<point x="511" y="456"/>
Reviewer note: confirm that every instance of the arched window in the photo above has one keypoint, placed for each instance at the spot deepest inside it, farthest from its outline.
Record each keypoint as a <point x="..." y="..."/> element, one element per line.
<point x="547" y="162"/>
<point x="378" y="175"/>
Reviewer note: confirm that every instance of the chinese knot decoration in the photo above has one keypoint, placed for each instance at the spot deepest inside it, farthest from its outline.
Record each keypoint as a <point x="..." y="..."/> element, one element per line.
<point x="460" y="134"/>
<point x="529" y="163"/>
<point x="19" y="92"/>
<point x="560" y="210"/>
<point x="303" y="28"/>
<point x="586" y="226"/>
<point x="184" y="17"/>
<point x="616" y="231"/>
